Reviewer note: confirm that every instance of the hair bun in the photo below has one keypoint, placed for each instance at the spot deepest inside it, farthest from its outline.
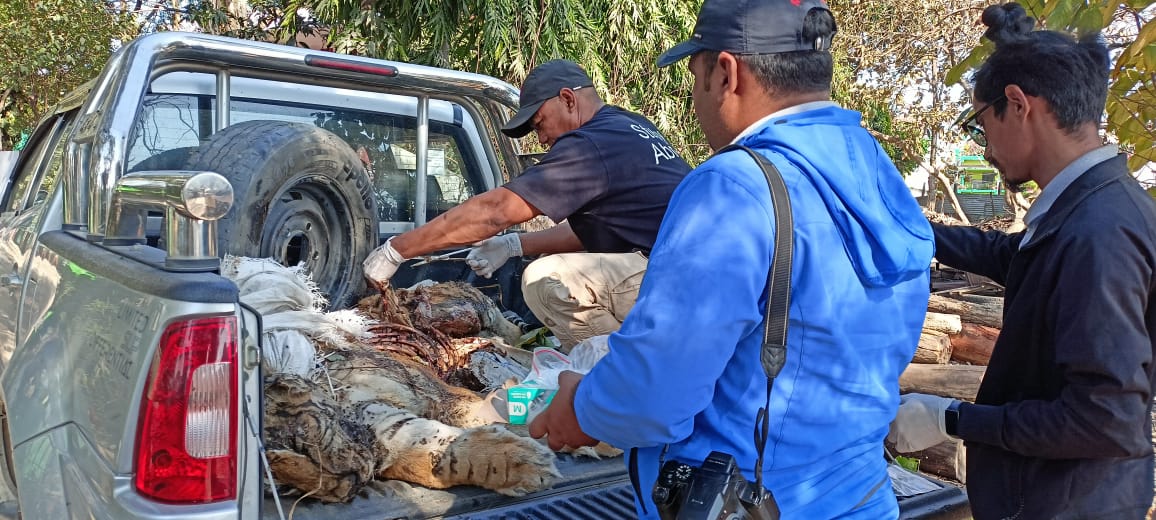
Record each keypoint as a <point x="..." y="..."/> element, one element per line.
<point x="1007" y="23"/>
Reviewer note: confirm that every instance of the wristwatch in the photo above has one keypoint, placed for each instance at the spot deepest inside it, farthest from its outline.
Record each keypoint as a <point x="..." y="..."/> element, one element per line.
<point x="951" y="418"/>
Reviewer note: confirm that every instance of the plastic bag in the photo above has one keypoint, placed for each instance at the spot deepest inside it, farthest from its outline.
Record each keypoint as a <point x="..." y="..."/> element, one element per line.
<point x="545" y="366"/>
<point x="905" y="483"/>
<point x="584" y="355"/>
<point x="526" y="400"/>
<point x="547" y="363"/>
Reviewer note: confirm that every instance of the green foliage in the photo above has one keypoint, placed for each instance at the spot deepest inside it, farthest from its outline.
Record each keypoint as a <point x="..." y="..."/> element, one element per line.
<point x="536" y="338"/>
<point x="50" y="48"/>
<point x="891" y="59"/>
<point x="617" y="42"/>
<point x="1128" y="25"/>
<point x="249" y="19"/>
<point x="902" y="140"/>
<point x="884" y="51"/>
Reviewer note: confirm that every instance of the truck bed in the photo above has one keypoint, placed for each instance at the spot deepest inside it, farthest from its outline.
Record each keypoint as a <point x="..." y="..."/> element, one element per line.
<point x="590" y="489"/>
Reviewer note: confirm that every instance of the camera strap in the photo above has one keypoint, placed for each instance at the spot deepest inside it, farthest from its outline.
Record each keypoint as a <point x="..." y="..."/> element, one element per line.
<point x="774" y="353"/>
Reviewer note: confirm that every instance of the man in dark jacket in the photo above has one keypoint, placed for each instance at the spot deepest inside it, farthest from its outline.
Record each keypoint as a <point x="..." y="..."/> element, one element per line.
<point x="1061" y="425"/>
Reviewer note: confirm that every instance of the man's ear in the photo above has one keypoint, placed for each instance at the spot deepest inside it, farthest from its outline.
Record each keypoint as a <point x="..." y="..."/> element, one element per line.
<point x="568" y="98"/>
<point x="728" y="68"/>
<point x="1019" y="104"/>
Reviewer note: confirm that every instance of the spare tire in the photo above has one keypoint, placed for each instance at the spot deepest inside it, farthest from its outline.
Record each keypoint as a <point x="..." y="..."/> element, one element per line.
<point x="174" y="159"/>
<point x="301" y="196"/>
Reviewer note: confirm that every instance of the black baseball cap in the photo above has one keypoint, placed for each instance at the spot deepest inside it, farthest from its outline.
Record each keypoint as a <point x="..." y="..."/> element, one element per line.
<point x="748" y="27"/>
<point x="543" y="83"/>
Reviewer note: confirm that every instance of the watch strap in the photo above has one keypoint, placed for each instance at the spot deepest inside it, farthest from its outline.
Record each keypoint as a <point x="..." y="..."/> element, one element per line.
<point x="951" y="418"/>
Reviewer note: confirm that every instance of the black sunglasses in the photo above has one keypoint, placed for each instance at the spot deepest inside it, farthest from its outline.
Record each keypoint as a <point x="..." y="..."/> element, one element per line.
<point x="971" y="125"/>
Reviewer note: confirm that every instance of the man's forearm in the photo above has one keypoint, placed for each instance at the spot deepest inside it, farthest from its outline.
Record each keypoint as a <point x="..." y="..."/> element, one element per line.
<point x="1060" y="429"/>
<point x="478" y="218"/>
<point x="983" y="253"/>
<point x="558" y="239"/>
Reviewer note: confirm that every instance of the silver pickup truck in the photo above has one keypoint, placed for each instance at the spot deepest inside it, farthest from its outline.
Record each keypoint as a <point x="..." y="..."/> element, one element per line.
<point x="112" y="223"/>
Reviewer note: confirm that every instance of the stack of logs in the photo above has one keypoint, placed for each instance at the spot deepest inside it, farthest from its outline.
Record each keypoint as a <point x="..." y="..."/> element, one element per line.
<point x="958" y="335"/>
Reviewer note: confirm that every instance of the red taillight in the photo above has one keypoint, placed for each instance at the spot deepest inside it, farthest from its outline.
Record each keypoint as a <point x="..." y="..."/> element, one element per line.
<point x="187" y="445"/>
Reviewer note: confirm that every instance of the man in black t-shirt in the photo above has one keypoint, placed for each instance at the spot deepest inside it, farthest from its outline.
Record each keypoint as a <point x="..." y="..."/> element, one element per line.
<point x="607" y="180"/>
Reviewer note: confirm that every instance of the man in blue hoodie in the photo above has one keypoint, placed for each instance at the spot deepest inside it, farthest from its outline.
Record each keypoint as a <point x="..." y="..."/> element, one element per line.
<point x="683" y="372"/>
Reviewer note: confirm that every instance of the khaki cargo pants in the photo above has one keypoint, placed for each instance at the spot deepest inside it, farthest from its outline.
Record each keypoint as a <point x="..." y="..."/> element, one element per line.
<point x="580" y="295"/>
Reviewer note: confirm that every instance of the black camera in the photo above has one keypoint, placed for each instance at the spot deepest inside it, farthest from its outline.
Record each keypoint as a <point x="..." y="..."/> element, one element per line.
<point x="714" y="490"/>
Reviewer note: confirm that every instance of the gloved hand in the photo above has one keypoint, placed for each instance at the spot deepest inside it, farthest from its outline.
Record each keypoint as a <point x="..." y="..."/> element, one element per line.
<point x="490" y="254"/>
<point x="919" y="423"/>
<point x="382" y="263"/>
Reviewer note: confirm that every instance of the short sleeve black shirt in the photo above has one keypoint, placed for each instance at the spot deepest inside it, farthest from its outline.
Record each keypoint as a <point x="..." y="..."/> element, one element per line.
<point x="611" y="178"/>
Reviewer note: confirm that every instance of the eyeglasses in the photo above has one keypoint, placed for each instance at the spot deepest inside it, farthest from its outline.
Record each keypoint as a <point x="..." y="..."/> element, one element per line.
<point x="973" y="128"/>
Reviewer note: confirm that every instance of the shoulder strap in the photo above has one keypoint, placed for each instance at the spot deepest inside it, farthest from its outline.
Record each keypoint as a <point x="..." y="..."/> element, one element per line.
<point x="774" y="353"/>
<point x="779" y="278"/>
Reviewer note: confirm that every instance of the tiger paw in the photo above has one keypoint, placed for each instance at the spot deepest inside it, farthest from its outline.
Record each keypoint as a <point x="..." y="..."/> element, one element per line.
<point x="498" y="459"/>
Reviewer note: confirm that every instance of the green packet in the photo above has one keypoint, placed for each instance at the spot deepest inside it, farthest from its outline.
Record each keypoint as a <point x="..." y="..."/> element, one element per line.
<point x="908" y="463"/>
<point x="523" y="399"/>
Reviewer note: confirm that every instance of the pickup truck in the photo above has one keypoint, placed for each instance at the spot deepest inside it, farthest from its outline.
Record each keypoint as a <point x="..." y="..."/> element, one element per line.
<point x="114" y="218"/>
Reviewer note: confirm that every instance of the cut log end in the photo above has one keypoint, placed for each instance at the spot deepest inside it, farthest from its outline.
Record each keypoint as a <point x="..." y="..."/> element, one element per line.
<point x="974" y="344"/>
<point x="934" y="347"/>
<point x="946" y="323"/>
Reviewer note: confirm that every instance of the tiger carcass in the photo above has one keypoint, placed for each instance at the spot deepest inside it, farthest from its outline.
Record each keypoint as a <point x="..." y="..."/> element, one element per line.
<point x="341" y="410"/>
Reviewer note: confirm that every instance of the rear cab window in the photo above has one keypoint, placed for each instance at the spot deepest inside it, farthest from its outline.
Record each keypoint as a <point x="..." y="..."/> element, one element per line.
<point x="179" y="110"/>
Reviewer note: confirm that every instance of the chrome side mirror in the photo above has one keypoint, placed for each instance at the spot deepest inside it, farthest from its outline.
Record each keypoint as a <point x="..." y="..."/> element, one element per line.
<point x="191" y="201"/>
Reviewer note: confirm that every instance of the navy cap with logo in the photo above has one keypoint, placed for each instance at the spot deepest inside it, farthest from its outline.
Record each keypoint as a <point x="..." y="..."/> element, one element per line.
<point x="748" y="27"/>
<point x="542" y="84"/>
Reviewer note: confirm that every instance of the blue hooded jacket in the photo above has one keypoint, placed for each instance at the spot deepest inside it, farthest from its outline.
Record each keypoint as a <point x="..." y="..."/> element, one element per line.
<point x="684" y="368"/>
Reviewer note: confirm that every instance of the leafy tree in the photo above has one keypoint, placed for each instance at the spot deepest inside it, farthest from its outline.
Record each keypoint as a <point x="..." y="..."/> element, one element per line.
<point x="891" y="55"/>
<point x="51" y="47"/>
<point x="246" y="19"/>
<point x="894" y="58"/>
<point x="618" y="42"/>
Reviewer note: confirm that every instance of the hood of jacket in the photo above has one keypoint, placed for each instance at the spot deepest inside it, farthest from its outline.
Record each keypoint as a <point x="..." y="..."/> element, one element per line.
<point x="883" y="229"/>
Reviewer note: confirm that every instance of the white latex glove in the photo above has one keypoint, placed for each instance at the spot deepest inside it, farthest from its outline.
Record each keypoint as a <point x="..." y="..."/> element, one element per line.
<point x="490" y="254"/>
<point x="382" y="263"/>
<point x="919" y="423"/>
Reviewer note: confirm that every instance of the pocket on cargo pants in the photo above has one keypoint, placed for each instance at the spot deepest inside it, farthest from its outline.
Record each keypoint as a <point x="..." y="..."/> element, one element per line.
<point x="623" y="295"/>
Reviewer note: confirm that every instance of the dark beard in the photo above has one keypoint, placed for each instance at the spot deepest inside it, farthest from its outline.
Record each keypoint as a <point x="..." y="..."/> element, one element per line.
<point x="1012" y="186"/>
<point x="1015" y="187"/>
